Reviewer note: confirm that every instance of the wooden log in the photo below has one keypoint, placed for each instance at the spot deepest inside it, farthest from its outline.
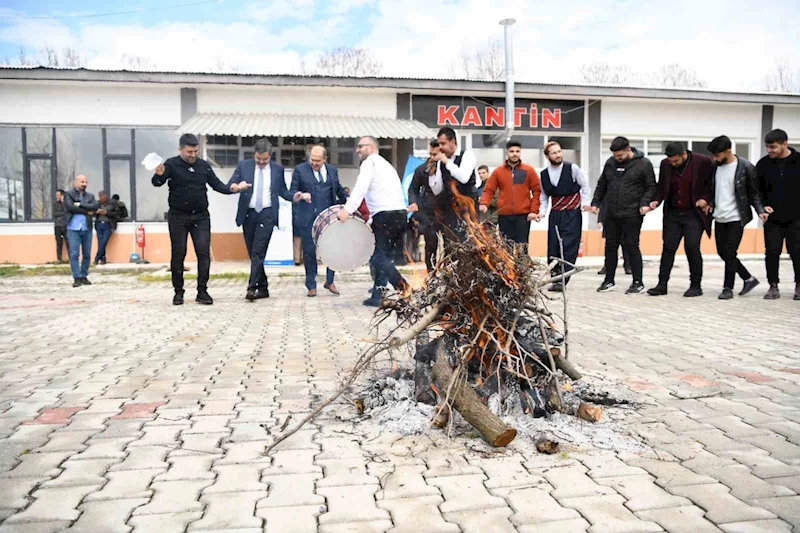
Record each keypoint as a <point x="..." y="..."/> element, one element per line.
<point x="564" y="365"/>
<point x="466" y="401"/>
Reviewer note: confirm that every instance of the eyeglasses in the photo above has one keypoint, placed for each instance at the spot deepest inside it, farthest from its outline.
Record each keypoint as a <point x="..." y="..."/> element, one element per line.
<point x="363" y="145"/>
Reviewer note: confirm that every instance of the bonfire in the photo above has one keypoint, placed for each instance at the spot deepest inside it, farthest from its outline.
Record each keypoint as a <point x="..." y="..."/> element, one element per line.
<point x="483" y="332"/>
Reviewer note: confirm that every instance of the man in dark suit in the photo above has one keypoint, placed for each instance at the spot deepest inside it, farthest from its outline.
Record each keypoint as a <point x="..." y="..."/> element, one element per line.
<point x="318" y="184"/>
<point x="258" y="210"/>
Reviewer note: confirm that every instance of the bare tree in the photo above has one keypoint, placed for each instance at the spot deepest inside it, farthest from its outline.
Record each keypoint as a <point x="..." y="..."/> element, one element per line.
<point x="69" y="57"/>
<point x="675" y="75"/>
<point x="783" y="79"/>
<point x="486" y="62"/>
<point x="606" y="74"/>
<point x="136" y="62"/>
<point x="223" y="65"/>
<point x="344" y="62"/>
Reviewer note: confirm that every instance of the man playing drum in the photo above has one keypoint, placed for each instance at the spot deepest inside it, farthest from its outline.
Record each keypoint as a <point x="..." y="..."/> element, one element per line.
<point x="318" y="182"/>
<point x="379" y="184"/>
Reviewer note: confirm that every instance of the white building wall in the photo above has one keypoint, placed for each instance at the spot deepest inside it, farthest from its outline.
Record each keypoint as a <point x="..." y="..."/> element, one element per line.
<point x="64" y="103"/>
<point x="787" y="118"/>
<point x="297" y="100"/>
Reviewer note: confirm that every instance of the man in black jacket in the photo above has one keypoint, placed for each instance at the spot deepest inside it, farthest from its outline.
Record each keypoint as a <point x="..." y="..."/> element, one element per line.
<point x="188" y="176"/>
<point x="627" y="185"/>
<point x="421" y="203"/>
<point x="778" y="178"/>
<point x="80" y="206"/>
<point x="733" y="191"/>
<point x="60" y="224"/>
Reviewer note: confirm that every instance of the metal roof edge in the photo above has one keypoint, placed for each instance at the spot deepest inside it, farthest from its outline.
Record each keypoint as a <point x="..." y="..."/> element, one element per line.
<point x="404" y="84"/>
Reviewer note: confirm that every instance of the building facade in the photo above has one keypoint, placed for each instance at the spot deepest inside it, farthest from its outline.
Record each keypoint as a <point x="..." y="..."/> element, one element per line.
<point x="57" y="123"/>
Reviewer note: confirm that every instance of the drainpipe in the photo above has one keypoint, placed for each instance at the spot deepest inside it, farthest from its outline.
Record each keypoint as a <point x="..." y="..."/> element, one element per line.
<point x="501" y="138"/>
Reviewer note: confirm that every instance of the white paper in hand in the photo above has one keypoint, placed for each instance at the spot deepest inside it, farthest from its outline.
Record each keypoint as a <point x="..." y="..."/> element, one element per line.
<point x="151" y="161"/>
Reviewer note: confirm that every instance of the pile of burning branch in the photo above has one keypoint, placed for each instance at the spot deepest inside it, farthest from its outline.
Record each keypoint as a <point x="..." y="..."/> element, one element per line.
<point x="484" y="334"/>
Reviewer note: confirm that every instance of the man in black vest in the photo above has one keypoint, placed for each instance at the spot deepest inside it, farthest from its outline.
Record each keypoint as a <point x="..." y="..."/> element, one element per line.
<point x="319" y="187"/>
<point x="685" y="189"/>
<point x="421" y="203"/>
<point x="454" y="177"/>
<point x="568" y="187"/>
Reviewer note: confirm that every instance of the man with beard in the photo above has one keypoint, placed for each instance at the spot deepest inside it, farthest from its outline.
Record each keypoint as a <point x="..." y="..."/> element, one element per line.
<point x="379" y="184"/>
<point x="519" y="195"/>
<point x="421" y="203"/>
<point x="627" y="185"/>
<point x="188" y="176"/>
<point x="685" y="189"/>
<point x="454" y="175"/>
<point x="779" y="185"/>
<point x="80" y="206"/>
<point x="733" y="191"/>
<point x="568" y="187"/>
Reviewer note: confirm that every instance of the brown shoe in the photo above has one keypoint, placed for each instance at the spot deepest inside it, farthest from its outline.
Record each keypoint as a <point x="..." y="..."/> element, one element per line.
<point x="311" y="293"/>
<point x="332" y="288"/>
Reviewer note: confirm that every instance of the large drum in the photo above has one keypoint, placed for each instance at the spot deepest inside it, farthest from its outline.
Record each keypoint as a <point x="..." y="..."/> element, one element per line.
<point x="344" y="245"/>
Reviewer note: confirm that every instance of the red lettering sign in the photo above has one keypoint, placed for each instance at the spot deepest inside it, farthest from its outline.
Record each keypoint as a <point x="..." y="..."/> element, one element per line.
<point x="551" y="118"/>
<point x="495" y="117"/>
<point x="471" y="117"/>
<point x="518" y="112"/>
<point x="534" y="116"/>
<point x="446" y="115"/>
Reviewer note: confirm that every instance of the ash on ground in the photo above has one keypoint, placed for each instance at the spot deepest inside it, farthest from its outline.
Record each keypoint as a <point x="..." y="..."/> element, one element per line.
<point x="390" y="402"/>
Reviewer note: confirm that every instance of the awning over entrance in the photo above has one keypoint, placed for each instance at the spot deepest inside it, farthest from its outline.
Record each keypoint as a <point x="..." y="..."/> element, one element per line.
<point x="254" y="125"/>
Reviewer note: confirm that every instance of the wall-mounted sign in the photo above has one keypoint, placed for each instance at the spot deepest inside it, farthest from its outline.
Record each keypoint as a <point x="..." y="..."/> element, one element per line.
<point x="472" y="112"/>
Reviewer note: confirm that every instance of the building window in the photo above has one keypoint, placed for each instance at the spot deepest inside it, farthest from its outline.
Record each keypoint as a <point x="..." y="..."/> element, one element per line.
<point x="227" y="150"/>
<point x="12" y="191"/>
<point x="151" y="202"/>
<point x="79" y="151"/>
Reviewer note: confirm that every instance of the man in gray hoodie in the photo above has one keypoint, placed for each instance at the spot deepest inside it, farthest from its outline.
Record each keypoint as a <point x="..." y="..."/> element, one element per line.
<point x="627" y="185"/>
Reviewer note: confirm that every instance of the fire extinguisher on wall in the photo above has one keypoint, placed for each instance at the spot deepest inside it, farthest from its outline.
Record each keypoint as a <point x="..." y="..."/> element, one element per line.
<point x="140" y="242"/>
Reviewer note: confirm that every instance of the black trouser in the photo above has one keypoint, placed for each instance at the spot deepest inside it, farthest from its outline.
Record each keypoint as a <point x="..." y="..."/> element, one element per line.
<point x="775" y="232"/>
<point x="728" y="236"/>
<point x="686" y="225"/>
<point x="257" y="229"/>
<point x="388" y="227"/>
<point x="624" y="231"/>
<point x="61" y="240"/>
<point x="568" y="223"/>
<point x="198" y="225"/>
<point x="515" y="227"/>
<point x="431" y="234"/>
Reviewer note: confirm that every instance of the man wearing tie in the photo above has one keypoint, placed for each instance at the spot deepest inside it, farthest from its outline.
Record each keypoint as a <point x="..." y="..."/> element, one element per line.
<point x="319" y="187"/>
<point x="258" y="211"/>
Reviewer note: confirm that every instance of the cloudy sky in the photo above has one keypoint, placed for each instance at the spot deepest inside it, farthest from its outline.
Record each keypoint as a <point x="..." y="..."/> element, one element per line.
<point x="731" y="44"/>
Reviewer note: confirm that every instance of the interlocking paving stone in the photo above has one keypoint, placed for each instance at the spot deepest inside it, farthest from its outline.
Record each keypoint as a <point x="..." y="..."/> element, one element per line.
<point x="685" y="519"/>
<point x="720" y="506"/>
<point x="608" y="513"/>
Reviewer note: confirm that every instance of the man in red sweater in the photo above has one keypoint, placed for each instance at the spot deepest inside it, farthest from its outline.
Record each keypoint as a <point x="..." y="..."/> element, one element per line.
<point x="519" y="189"/>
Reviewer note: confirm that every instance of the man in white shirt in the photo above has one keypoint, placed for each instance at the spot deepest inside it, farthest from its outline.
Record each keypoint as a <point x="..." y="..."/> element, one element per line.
<point x="455" y="175"/>
<point x="568" y="187"/>
<point x="379" y="185"/>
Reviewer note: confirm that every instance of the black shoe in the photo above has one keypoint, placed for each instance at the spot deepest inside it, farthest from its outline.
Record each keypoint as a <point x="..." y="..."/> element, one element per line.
<point x="602" y="271"/>
<point x="773" y="293"/>
<point x="204" y="298"/>
<point x="178" y="298"/>
<point x="726" y="294"/>
<point x="606" y="286"/>
<point x="749" y="285"/>
<point x="77" y="282"/>
<point x="636" y="287"/>
<point x="796" y="291"/>
<point x="658" y="290"/>
<point x="250" y="296"/>
<point x="628" y="270"/>
<point x="372" y="302"/>
<point x="260" y="295"/>
<point x="692" y="292"/>
<point x="556" y="287"/>
<point x="85" y="281"/>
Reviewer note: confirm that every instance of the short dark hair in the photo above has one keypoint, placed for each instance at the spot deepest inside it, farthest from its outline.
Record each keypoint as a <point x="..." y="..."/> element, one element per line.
<point x="776" y="136"/>
<point x="449" y="133"/>
<point x="188" y="139"/>
<point x="115" y="197"/>
<point x="434" y="144"/>
<point x="512" y="144"/>
<point x="719" y="144"/>
<point x="483" y="167"/>
<point x="674" y="148"/>
<point x="620" y="143"/>
<point x="60" y="190"/>
<point x="102" y="193"/>
<point x="262" y="146"/>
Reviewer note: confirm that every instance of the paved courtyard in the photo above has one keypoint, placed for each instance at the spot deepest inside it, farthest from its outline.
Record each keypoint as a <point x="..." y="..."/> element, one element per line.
<point x="120" y="412"/>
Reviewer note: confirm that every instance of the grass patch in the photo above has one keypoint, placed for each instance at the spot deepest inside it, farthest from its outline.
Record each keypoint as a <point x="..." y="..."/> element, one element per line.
<point x="11" y="270"/>
<point x="168" y="277"/>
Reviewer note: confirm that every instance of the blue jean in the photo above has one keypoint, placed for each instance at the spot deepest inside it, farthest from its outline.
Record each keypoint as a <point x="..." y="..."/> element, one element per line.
<point x="80" y="239"/>
<point x="103" y="235"/>
<point x="310" y="259"/>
